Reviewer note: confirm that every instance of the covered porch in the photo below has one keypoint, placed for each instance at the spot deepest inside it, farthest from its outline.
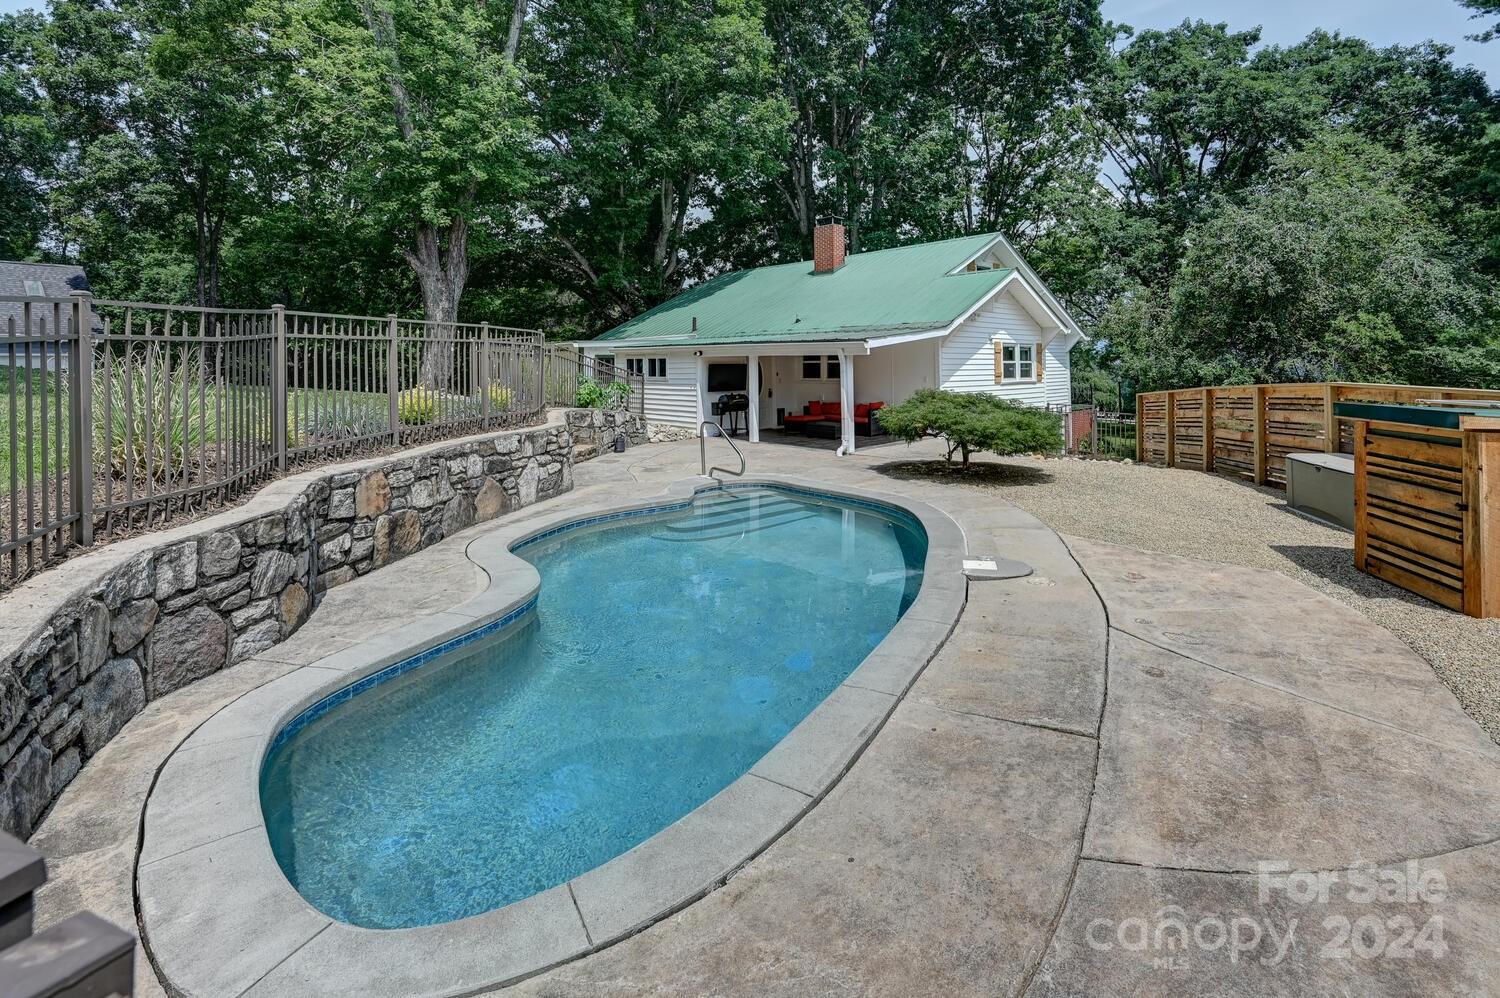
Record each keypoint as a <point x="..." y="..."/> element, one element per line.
<point x="828" y="399"/>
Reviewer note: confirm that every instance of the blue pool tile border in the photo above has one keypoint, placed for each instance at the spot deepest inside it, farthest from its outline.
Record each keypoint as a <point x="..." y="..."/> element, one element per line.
<point x="885" y="509"/>
<point x="374" y="679"/>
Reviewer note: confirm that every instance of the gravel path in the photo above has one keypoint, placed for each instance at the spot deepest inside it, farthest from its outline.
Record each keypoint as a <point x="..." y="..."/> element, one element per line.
<point x="1217" y="519"/>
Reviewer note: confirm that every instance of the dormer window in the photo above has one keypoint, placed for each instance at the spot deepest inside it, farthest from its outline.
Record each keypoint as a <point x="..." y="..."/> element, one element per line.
<point x="34" y="289"/>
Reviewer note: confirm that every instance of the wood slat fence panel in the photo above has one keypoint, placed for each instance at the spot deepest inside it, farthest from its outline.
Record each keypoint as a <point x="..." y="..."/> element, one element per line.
<point x="1234" y="432"/>
<point x="1409" y="508"/>
<point x="1247" y="431"/>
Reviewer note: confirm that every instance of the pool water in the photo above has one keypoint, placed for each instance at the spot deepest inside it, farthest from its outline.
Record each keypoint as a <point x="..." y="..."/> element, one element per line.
<point x="667" y="654"/>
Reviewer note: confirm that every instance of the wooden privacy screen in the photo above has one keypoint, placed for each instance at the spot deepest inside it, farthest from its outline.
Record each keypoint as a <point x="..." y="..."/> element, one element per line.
<point x="1427" y="510"/>
<point x="1247" y="431"/>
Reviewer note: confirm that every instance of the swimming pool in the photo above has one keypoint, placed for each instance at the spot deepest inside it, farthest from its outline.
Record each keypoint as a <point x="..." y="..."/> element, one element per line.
<point x="667" y="653"/>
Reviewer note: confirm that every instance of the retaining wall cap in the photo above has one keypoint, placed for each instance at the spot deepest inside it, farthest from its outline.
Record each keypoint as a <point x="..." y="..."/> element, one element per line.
<point x="29" y="609"/>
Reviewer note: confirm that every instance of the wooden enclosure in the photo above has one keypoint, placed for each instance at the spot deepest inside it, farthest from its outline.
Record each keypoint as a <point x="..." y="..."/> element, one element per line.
<point x="1247" y="431"/>
<point x="1427" y="509"/>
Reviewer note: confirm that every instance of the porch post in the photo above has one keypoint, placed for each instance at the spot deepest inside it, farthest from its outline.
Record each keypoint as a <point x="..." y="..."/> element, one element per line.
<point x="846" y="400"/>
<point x="752" y="415"/>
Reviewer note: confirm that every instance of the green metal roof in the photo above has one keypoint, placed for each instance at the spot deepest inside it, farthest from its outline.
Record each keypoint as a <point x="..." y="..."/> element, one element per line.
<point x="881" y="293"/>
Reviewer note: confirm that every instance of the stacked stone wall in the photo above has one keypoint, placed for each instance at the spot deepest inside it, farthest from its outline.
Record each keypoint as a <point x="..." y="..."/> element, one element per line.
<point x="213" y="594"/>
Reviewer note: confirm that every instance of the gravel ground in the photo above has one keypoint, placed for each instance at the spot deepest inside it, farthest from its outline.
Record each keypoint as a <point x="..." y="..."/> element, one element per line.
<point x="1217" y="519"/>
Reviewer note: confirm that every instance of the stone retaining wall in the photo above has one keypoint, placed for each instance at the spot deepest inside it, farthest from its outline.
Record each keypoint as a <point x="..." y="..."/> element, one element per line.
<point x="598" y="428"/>
<point x="86" y="645"/>
<point x="661" y="433"/>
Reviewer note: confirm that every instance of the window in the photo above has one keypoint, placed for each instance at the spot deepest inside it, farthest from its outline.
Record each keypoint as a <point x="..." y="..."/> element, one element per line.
<point x="649" y="367"/>
<point x="1016" y="362"/>
<point x="815" y="368"/>
<point x="34" y="289"/>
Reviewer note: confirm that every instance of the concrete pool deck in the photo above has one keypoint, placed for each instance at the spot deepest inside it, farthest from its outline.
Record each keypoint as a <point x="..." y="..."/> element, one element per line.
<point x="1109" y="747"/>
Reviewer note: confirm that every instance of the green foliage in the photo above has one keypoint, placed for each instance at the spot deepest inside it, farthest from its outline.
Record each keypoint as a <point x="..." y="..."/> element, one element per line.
<point x="617" y="395"/>
<point x="29" y="142"/>
<point x="1326" y="269"/>
<point x="968" y="422"/>
<point x="141" y="420"/>
<point x="418" y="406"/>
<point x="590" y="394"/>
<point x="1484" y="9"/>
<point x="654" y="113"/>
<point x="570" y="167"/>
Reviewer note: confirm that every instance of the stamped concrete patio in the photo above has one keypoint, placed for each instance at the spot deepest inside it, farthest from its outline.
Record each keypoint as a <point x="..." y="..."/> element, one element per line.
<point x="1101" y="752"/>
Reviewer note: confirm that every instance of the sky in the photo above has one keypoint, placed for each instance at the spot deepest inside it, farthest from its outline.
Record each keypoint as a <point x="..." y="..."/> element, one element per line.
<point x="1384" y="22"/>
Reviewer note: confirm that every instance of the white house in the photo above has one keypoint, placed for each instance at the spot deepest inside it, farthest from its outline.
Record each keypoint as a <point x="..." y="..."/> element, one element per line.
<point x="962" y="314"/>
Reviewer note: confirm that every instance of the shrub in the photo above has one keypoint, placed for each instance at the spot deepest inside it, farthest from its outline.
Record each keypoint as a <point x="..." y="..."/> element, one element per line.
<point x="418" y="406"/>
<point x="590" y="394"/>
<point x="500" y="398"/>
<point x="617" y="395"/>
<point x="967" y="423"/>
<point x="155" y="427"/>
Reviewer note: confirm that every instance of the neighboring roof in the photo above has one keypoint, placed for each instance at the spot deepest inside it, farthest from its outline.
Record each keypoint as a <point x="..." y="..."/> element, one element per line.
<point x="879" y="293"/>
<point x="57" y="280"/>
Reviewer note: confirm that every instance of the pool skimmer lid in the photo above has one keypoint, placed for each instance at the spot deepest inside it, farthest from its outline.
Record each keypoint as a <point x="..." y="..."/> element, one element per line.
<point x="995" y="568"/>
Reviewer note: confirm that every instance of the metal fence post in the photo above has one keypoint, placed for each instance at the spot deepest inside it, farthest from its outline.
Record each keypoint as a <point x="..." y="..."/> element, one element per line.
<point x="278" y="387"/>
<point x="484" y="375"/>
<point x="541" y="374"/>
<point x="392" y="378"/>
<point x="81" y="437"/>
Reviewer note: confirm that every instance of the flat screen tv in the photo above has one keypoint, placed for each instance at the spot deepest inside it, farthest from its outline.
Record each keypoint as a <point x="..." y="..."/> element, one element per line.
<point x="727" y="378"/>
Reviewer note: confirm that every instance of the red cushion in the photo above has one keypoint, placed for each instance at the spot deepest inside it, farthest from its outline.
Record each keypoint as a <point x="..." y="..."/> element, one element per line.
<point x="862" y="410"/>
<point x="815" y="408"/>
<point x="861" y="420"/>
<point x="831" y="410"/>
<point x="876" y="405"/>
<point x="800" y="418"/>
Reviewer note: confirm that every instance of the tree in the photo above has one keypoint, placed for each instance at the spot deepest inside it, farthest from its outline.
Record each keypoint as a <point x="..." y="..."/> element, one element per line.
<point x="423" y="104"/>
<point x="1483" y="9"/>
<point x="28" y="137"/>
<point x="652" y="114"/>
<point x="972" y="422"/>
<point x="1328" y="268"/>
<point x="172" y="99"/>
<point x="918" y="121"/>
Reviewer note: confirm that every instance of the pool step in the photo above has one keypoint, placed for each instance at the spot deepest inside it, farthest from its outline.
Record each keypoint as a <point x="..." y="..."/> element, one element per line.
<point x="83" y="955"/>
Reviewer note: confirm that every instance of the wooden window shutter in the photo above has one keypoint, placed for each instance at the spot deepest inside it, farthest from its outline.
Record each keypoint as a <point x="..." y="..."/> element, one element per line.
<point x="1041" y="356"/>
<point x="999" y="347"/>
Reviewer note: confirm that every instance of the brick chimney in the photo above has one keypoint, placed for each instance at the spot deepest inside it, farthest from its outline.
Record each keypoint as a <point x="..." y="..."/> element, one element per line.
<point x="828" y="247"/>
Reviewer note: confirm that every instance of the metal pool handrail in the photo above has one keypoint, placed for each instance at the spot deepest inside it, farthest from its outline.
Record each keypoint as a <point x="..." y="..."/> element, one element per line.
<point x="703" y="450"/>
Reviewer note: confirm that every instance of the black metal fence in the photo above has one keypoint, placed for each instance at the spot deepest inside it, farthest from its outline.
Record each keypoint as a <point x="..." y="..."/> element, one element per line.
<point x="1101" y="423"/>
<point x="124" y="415"/>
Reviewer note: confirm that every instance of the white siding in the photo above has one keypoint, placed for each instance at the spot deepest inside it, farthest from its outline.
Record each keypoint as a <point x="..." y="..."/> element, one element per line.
<point x="891" y="374"/>
<point x="968" y="355"/>
<point x="675" y="398"/>
<point x="1059" y="373"/>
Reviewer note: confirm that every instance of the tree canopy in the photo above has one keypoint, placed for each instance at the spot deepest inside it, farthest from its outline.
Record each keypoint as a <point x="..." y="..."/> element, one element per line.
<point x="1209" y="207"/>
